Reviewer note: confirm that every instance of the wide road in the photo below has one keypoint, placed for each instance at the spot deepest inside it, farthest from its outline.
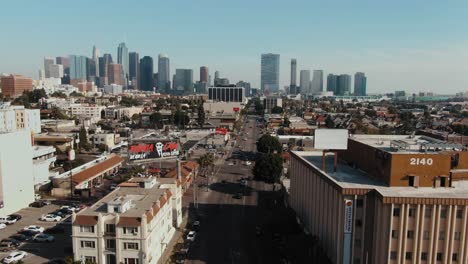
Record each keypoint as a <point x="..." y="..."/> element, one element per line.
<point x="227" y="231"/>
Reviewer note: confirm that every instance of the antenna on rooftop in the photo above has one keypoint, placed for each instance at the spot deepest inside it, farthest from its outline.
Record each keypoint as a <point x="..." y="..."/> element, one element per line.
<point x="412" y="134"/>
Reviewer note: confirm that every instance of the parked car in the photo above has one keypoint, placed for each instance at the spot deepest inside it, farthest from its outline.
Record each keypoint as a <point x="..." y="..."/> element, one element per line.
<point x="248" y="163"/>
<point x="191" y="235"/>
<point x="67" y="221"/>
<point x="15" y="217"/>
<point x="34" y="228"/>
<point x="73" y="207"/>
<point x="51" y="218"/>
<point x="196" y="225"/>
<point x="15" y="257"/>
<point x="28" y="234"/>
<point x="44" y="238"/>
<point x="37" y="204"/>
<point x="6" y="220"/>
<point x="2" y="226"/>
<point x="21" y="237"/>
<point x="9" y="244"/>
<point x="243" y="182"/>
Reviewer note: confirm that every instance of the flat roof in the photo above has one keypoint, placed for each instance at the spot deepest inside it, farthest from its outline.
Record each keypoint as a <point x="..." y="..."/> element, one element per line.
<point x="351" y="178"/>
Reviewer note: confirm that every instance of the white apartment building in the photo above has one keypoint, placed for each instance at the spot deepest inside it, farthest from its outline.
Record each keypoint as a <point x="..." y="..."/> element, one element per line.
<point x="17" y="117"/>
<point x="131" y="225"/>
<point x="108" y="139"/>
<point x="87" y="111"/>
<point x="56" y="70"/>
<point x="16" y="171"/>
<point x="120" y="112"/>
<point x="113" y="89"/>
<point x="43" y="158"/>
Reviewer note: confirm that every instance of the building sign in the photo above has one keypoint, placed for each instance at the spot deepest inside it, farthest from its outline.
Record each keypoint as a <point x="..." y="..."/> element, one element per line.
<point x="221" y="131"/>
<point x="348" y="221"/>
<point x="153" y="150"/>
<point x="236" y="109"/>
<point x="421" y="161"/>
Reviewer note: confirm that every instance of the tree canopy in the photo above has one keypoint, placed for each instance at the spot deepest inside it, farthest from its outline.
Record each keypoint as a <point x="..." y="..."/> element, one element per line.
<point x="269" y="144"/>
<point x="268" y="167"/>
<point x="156" y="120"/>
<point x="277" y="110"/>
<point x="201" y="115"/>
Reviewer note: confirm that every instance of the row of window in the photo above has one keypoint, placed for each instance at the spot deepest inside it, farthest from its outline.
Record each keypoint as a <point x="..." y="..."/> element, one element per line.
<point x="110" y="244"/>
<point x="110" y="228"/>
<point x="427" y="212"/>
<point x="424" y="255"/>
<point x="92" y="259"/>
<point x="426" y="234"/>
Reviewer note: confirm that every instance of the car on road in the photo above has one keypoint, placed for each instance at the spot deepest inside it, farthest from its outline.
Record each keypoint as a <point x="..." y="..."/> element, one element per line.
<point x="34" y="228"/>
<point x="51" y="218"/>
<point x="230" y="163"/>
<point x="191" y="235"/>
<point x="243" y="182"/>
<point x="15" y="257"/>
<point x="37" y="204"/>
<point x="196" y="225"/>
<point x="44" y="238"/>
<point x="248" y="163"/>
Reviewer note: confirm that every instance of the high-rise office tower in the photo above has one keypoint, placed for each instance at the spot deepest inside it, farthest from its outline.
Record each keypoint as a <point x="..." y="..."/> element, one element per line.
<point x="55" y="71"/>
<point x="115" y="73"/>
<point x="65" y="62"/>
<point x="47" y="62"/>
<point x="216" y="77"/>
<point x="246" y="86"/>
<point x="146" y="73"/>
<point x="183" y="81"/>
<point x="204" y="74"/>
<point x="304" y="81"/>
<point x="317" y="81"/>
<point x="360" y="84"/>
<point x="78" y="66"/>
<point x="293" y="89"/>
<point x="122" y="58"/>
<point x="269" y="76"/>
<point x="343" y="84"/>
<point x="96" y="61"/>
<point x="332" y="83"/>
<point x="134" y="69"/>
<point x="164" y="73"/>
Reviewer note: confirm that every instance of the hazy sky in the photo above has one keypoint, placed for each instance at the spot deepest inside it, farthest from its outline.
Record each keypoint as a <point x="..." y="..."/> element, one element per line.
<point x="415" y="45"/>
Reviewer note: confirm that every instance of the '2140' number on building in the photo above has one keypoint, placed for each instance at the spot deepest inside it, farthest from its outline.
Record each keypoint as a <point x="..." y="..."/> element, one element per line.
<point x="421" y="161"/>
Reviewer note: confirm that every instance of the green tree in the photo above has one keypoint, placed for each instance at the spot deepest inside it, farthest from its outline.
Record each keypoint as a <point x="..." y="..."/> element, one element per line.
<point x="268" y="167"/>
<point x="201" y="115"/>
<point x="286" y="122"/>
<point x="128" y="101"/>
<point x="76" y="94"/>
<point x="277" y="110"/>
<point x="205" y="161"/>
<point x="58" y="94"/>
<point x="156" y="120"/>
<point x="181" y="118"/>
<point x="269" y="144"/>
<point x="102" y="147"/>
<point x="84" y="144"/>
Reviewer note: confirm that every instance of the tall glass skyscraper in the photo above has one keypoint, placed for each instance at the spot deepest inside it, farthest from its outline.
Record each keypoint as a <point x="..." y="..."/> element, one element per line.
<point x="122" y="58"/>
<point x="317" y="81"/>
<point x="304" y="81"/>
<point x="164" y="79"/>
<point x="269" y="77"/>
<point x="134" y="69"/>
<point x="332" y="83"/>
<point x="360" y="83"/>
<point x="78" y="67"/>
<point x="183" y="80"/>
<point x="146" y="73"/>
<point x="344" y="84"/>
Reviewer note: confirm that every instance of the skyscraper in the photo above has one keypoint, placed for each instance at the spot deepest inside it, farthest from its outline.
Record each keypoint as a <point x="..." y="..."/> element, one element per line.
<point x="293" y="85"/>
<point x="78" y="67"/>
<point x="164" y="73"/>
<point x="122" y="58"/>
<point x="183" y="81"/>
<point x="246" y="86"/>
<point x="269" y="77"/>
<point x="115" y="73"/>
<point x="344" y="84"/>
<point x="332" y="83"/>
<point x="204" y="74"/>
<point x="134" y="69"/>
<point x="317" y="81"/>
<point x="304" y="81"/>
<point x="47" y="62"/>
<point x="96" y="61"/>
<point x="146" y="73"/>
<point x="55" y="71"/>
<point x="360" y="83"/>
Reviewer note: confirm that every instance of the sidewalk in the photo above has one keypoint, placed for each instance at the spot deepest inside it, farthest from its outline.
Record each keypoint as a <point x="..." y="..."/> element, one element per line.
<point x="178" y="237"/>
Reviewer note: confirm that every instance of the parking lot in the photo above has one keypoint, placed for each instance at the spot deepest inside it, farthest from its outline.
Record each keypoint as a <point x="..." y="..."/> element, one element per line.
<point x="40" y="252"/>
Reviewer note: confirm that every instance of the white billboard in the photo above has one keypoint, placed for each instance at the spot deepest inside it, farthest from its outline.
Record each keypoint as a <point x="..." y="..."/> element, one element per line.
<point x="333" y="139"/>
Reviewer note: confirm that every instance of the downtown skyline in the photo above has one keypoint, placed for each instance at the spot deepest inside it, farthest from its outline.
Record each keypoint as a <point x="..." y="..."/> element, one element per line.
<point x="396" y="47"/>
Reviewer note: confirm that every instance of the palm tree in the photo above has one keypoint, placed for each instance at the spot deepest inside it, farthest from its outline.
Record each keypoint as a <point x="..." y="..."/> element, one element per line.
<point x="205" y="161"/>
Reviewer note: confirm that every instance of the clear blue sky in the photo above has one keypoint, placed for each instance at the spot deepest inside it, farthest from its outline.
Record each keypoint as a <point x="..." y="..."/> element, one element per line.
<point x="416" y="45"/>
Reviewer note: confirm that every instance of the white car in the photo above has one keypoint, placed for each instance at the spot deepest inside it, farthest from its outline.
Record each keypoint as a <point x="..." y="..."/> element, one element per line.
<point x="248" y="163"/>
<point x="230" y="164"/>
<point x="15" y="257"/>
<point x="51" y="218"/>
<point x="70" y="207"/>
<point x="191" y="236"/>
<point x="2" y="226"/>
<point x="243" y="182"/>
<point x="34" y="228"/>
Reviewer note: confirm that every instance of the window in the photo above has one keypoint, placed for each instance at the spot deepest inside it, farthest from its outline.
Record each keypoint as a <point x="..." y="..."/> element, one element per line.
<point x="110" y="228"/>
<point x="410" y="234"/>
<point x="396" y="211"/>
<point x="443" y="213"/>
<point x="442" y="235"/>
<point x="359" y="203"/>
<point x="88" y="244"/>
<point x="90" y="259"/>
<point x="454" y="257"/>
<point x="131" y="261"/>
<point x="459" y="213"/>
<point x="428" y="212"/>
<point x="129" y="245"/>
<point x="110" y="244"/>
<point x="439" y="256"/>
<point x="456" y="235"/>
<point x="423" y="255"/>
<point x="409" y="255"/>
<point x="395" y="234"/>
<point x="393" y="255"/>
<point x="130" y="230"/>
<point x="426" y="235"/>
<point x="87" y="229"/>
<point x="411" y="212"/>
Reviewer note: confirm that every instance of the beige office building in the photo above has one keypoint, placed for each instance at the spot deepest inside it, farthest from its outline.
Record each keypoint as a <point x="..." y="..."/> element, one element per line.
<point x="392" y="199"/>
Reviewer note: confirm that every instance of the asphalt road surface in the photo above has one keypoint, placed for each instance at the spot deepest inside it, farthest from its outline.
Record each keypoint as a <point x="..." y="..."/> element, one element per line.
<point x="227" y="231"/>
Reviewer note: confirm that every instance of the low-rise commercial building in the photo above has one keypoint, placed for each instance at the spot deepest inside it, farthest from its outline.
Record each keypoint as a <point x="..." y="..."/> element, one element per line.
<point x="391" y="199"/>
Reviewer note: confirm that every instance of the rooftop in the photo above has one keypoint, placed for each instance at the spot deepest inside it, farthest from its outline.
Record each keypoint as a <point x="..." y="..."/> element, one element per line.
<point x="96" y="170"/>
<point x="347" y="177"/>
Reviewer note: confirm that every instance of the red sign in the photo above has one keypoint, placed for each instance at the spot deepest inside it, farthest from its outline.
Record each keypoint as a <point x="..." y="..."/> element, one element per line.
<point x="221" y="131"/>
<point x="236" y="109"/>
<point x="141" y="148"/>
